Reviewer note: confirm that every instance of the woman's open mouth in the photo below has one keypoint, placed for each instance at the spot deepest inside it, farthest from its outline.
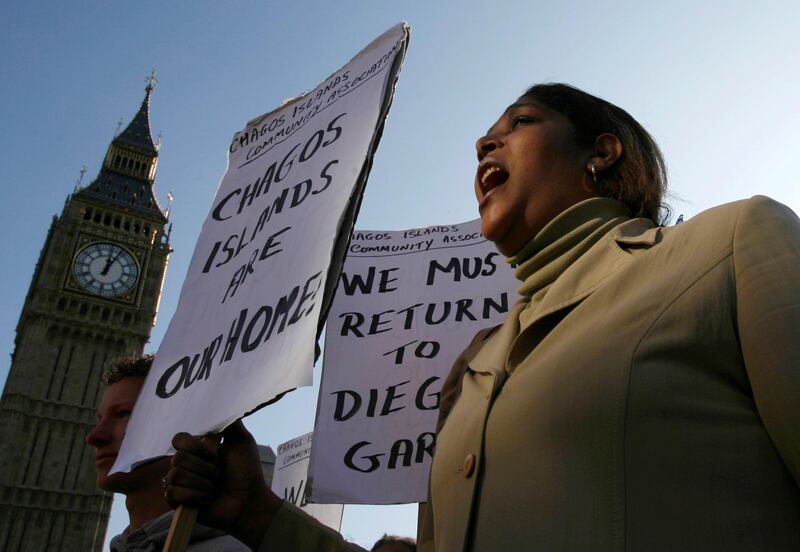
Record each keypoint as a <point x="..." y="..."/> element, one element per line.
<point x="490" y="177"/>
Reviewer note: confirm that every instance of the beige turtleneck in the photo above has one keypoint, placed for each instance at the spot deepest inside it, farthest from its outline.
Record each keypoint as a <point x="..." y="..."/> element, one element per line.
<point x="560" y="243"/>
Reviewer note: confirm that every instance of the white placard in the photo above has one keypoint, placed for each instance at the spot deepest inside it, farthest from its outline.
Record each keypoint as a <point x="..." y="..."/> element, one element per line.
<point x="289" y="481"/>
<point x="408" y="303"/>
<point x="247" y="319"/>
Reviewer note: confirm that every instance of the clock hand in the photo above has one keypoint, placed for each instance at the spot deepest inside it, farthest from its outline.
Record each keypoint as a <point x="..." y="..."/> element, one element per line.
<point x="110" y="262"/>
<point x="106" y="267"/>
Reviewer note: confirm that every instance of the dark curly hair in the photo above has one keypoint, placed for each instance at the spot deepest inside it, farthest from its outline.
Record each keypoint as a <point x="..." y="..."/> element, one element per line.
<point x="406" y="542"/>
<point x="639" y="177"/>
<point x="127" y="367"/>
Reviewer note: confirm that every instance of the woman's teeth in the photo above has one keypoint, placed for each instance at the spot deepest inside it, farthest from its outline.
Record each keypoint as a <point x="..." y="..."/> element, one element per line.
<point x="493" y="177"/>
<point x="490" y="171"/>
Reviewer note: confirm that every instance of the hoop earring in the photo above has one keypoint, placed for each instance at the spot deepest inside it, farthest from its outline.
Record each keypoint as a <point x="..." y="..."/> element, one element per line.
<point x="594" y="174"/>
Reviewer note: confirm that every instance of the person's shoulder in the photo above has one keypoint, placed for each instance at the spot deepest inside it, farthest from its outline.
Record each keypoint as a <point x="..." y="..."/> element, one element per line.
<point x="756" y="206"/>
<point x="220" y="543"/>
<point x="710" y="234"/>
<point x="766" y="214"/>
<point x="755" y="215"/>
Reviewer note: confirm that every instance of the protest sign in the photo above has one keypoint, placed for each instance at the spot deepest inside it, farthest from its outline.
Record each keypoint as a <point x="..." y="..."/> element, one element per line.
<point x="289" y="481"/>
<point x="408" y="303"/>
<point x="268" y="256"/>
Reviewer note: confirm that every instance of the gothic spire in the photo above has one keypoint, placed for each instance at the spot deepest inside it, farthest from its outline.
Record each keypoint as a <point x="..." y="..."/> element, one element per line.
<point x="128" y="172"/>
<point x="137" y="133"/>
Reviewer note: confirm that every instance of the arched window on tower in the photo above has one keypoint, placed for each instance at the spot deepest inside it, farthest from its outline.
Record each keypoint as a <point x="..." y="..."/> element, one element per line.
<point x="104" y="315"/>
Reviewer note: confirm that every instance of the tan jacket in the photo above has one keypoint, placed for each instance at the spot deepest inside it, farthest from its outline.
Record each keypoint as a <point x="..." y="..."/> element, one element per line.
<point x="653" y="403"/>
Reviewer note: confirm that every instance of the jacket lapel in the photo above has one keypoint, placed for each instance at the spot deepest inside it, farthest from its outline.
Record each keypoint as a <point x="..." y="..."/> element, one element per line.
<point x="491" y="359"/>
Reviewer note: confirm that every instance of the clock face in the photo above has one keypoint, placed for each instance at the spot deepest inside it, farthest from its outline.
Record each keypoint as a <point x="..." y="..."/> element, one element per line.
<point x="105" y="269"/>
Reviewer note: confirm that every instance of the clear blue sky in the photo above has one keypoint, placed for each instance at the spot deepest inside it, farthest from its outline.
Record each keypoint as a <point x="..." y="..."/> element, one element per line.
<point x="717" y="84"/>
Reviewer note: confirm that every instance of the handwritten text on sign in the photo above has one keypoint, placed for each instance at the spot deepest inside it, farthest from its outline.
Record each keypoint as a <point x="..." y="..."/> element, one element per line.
<point x="247" y="318"/>
<point x="408" y="303"/>
<point x="289" y="481"/>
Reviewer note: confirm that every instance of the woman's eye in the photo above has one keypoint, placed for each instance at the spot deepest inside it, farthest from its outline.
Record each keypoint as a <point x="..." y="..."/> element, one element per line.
<point x="521" y="120"/>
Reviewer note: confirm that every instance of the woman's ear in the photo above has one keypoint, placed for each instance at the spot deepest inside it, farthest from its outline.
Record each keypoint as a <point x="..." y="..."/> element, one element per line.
<point x="607" y="151"/>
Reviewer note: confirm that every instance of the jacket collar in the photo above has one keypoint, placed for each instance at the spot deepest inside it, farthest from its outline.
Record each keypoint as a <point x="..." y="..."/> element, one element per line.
<point x="588" y="273"/>
<point x="612" y="252"/>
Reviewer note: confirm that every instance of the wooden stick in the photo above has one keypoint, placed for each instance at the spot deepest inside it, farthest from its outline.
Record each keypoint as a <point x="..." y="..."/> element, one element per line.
<point x="422" y="508"/>
<point x="180" y="530"/>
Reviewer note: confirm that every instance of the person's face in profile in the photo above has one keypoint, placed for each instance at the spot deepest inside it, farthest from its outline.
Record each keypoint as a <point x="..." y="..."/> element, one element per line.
<point x="112" y="418"/>
<point x="531" y="169"/>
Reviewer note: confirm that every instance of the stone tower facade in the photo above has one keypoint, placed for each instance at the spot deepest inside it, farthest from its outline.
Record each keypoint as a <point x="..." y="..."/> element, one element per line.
<point x="93" y="297"/>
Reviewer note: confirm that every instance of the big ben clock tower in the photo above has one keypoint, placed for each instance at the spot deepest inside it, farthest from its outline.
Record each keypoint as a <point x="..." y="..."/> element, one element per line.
<point x="93" y="297"/>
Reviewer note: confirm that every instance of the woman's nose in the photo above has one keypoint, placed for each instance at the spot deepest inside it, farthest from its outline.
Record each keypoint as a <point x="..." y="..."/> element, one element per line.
<point x="487" y="144"/>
